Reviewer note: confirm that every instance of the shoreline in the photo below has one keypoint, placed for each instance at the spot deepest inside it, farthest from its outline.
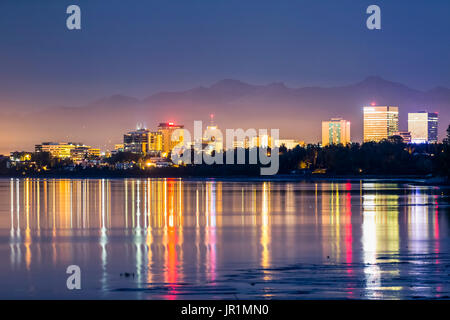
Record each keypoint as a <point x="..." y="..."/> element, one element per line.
<point x="420" y="180"/>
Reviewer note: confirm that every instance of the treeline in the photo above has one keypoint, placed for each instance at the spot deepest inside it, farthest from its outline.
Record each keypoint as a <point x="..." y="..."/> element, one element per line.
<point x="384" y="158"/>
<point x="390" y="158"/>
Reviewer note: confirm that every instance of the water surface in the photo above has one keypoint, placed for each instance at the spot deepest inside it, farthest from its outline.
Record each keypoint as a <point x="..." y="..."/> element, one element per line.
<point x="176" y="239"/>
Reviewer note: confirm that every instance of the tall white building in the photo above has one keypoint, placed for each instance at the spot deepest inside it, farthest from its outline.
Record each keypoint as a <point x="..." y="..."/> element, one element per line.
<point x="423" y="127"/>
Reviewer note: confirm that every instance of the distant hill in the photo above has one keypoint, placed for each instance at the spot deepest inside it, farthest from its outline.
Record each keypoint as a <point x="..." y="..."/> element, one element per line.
<point x="297" y="112"/>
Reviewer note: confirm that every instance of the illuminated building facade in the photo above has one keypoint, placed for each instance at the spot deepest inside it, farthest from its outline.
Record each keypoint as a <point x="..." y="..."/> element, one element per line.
<point x="336" y="131"/>
<point x="155" y="142"/>
<point x="289" y="143"/>
<point x="136" y="141"/>
<point x="80" y="153"/>
<point x="20" y="156"/>
<point x="69" y="150"/>
<point x="262" y="141"/>
<point x="119" y="147"/>
<point x="380" y="122"/>
<point x="423" y="127"/>
<point x="405" y="135"/>
<point x="166" y="130"/>
<point x="60" y="150"/>
<point x="243" y="144"/>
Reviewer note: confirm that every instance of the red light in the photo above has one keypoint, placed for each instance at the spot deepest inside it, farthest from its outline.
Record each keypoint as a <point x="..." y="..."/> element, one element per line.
<point x="373" y="104"/>
<point x="170" y="123"/>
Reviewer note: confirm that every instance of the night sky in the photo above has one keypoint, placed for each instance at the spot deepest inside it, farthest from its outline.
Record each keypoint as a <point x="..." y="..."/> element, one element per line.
<point x="140" y="47"/>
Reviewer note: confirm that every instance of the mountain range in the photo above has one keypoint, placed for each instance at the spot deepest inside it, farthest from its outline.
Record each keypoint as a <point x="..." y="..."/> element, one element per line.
<point x="297" y="112"/>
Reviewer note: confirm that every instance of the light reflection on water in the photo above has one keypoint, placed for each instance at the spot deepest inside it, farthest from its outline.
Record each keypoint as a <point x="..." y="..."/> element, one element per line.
<point x="175" y="239"/>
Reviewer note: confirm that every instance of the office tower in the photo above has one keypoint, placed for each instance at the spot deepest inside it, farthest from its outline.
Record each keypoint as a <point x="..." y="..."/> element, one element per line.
<point x="166" y="130"/>
<point x="155" y="142"/>
<point x="136" y="141"/>
<point x="380" y="122"/>
<point x="423" y="127"/>
<point x="336" y="131"/>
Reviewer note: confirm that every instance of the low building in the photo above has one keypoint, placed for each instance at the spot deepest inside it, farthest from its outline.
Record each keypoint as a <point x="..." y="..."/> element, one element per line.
<point x="81" y="153"/>
<point x="20" y="156"/>
<point x="60" y="150"/>
<point x="69" y="150"/>
<point x="119" y="147"/>
<point x="405" y="135"/>
<point x="289" y="143"/>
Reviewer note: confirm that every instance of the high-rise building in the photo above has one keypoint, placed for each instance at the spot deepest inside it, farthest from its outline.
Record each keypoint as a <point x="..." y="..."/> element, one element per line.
<point x="155" y="142"/>
<point x="167" y="143"/>
<point x="423" y="127"/>
<point x="336" y="131"/>
<point x="380" y="122"/>
<point x="136" y="141"/>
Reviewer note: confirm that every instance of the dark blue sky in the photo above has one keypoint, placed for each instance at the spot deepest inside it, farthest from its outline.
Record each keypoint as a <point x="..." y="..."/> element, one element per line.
<point x="138" y="47"/>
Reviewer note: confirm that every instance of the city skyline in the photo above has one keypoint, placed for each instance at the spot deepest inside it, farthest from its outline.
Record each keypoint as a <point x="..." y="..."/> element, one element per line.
<point x="260" y="59"/>
<point x="109" y="116"/>
<point x="380" y="123"/>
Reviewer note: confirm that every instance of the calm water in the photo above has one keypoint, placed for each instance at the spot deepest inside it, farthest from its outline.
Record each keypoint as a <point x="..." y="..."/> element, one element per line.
<point x="227" y="240"/>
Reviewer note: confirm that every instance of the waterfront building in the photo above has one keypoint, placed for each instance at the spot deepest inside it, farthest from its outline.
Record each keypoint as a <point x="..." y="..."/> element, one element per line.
<point x="60" y="150"/>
